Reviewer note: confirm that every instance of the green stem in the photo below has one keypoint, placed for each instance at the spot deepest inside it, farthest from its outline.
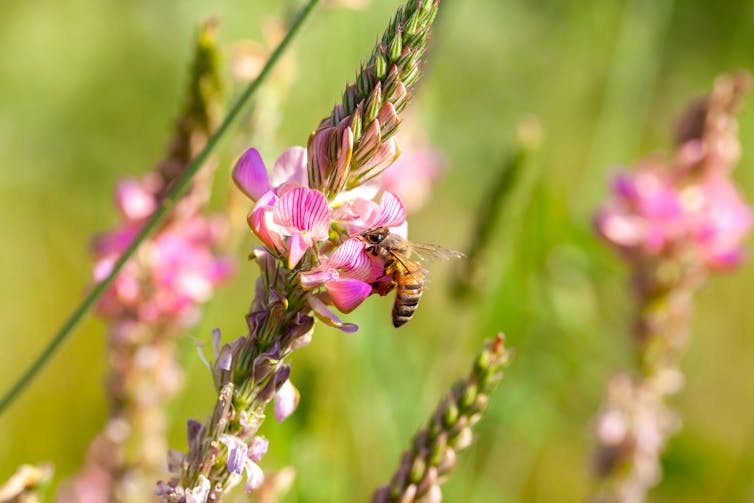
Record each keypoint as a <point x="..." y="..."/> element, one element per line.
<point x="157" y="217"/>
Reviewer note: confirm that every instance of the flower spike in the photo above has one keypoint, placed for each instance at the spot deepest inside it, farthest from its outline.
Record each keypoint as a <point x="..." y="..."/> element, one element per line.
<point x="355" y="143"/>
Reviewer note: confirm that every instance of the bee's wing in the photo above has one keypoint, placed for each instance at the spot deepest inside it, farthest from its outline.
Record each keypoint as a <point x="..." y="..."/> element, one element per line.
<point x="425" y="251"/>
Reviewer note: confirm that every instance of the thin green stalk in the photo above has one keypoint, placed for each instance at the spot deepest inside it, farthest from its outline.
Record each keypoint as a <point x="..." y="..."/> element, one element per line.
<point x="157" y="217"/>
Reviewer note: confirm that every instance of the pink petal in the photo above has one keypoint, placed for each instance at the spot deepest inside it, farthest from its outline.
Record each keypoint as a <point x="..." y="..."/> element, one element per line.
<point x="250" y="174"/>
<point x="328" y="316"/>
<point x="351" y="260"/>
<point x="261" y="221"/>
<point x="290" y="168"/>
<point x="304" y="209"/>
<point x="296" y="249"/>
<point x="286" y="401"/>
<point x="347" y="294"/>
<point x="313" y="279"/>
<point x="392" y="212"/>
<point x="134" y="200"/>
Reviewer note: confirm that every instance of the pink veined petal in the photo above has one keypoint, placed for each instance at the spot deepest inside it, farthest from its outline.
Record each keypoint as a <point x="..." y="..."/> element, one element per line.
<point x="328" y="316"/>
<point x="313" y="279"/>
<point x="290" y="168"/>
<point x="286" y="401"/>
<point x="261" y="221"/>
<point x="351" y="260"/>
<point x="134" y="200"/>
<point x="358" y="214"/>
<point x="250" y="174"/>
<point x="303" y="209"/>
<point x="347" y="294"/>
<point x="392" y="212"/>
<point x="296" y="249"/>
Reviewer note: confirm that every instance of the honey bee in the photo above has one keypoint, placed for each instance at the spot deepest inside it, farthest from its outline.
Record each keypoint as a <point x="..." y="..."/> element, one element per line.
<point x="407" y="276"/>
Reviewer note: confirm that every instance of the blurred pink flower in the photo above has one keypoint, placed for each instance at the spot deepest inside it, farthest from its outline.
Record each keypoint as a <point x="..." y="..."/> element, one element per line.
<point x="412" y="175"/>
<point x="720" y="222"/>
<point x="644" y="213"/>
<point x="172" y="273"/>
<point x="651" y="213"/>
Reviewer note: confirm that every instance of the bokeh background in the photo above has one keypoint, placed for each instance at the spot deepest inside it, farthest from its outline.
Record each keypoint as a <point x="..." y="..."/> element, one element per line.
<point x="88" y="92"/>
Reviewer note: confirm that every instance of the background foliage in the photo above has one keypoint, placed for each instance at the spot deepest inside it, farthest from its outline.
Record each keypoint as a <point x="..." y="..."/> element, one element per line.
<point x="87" y="93"/>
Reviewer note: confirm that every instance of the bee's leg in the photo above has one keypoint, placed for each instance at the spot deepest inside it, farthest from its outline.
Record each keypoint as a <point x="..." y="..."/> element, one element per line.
<point x="383" y="287"/>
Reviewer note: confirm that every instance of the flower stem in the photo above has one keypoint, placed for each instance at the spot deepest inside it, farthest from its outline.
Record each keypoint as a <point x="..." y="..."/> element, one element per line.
<point x="157" y="217"/>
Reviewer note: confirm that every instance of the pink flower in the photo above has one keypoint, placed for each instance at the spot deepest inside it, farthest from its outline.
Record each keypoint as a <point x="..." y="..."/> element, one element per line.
<point x="173" y="272"/>
<point x="644" y="213"/>
<point x="361" y="214"/>
<point x="346" y="275"/>
<point x="250" y="173"/>
<point x="720" y="222"/>
<point x="301" y="214"/>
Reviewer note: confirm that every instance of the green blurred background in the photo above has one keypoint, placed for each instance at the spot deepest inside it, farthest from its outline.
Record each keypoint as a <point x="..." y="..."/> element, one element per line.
<point x="88" y="92"/>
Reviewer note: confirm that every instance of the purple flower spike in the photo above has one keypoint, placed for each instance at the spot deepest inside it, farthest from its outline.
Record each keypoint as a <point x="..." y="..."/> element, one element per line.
<point x="250" y="175"/>
<point x="286" y="401"/>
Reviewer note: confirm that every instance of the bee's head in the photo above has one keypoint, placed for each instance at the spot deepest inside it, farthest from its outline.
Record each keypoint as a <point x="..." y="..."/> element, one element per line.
<point x="375" y="236"/>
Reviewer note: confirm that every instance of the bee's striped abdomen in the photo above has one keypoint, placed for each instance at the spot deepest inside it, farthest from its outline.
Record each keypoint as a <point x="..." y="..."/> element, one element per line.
<point x="408" y="292"/>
